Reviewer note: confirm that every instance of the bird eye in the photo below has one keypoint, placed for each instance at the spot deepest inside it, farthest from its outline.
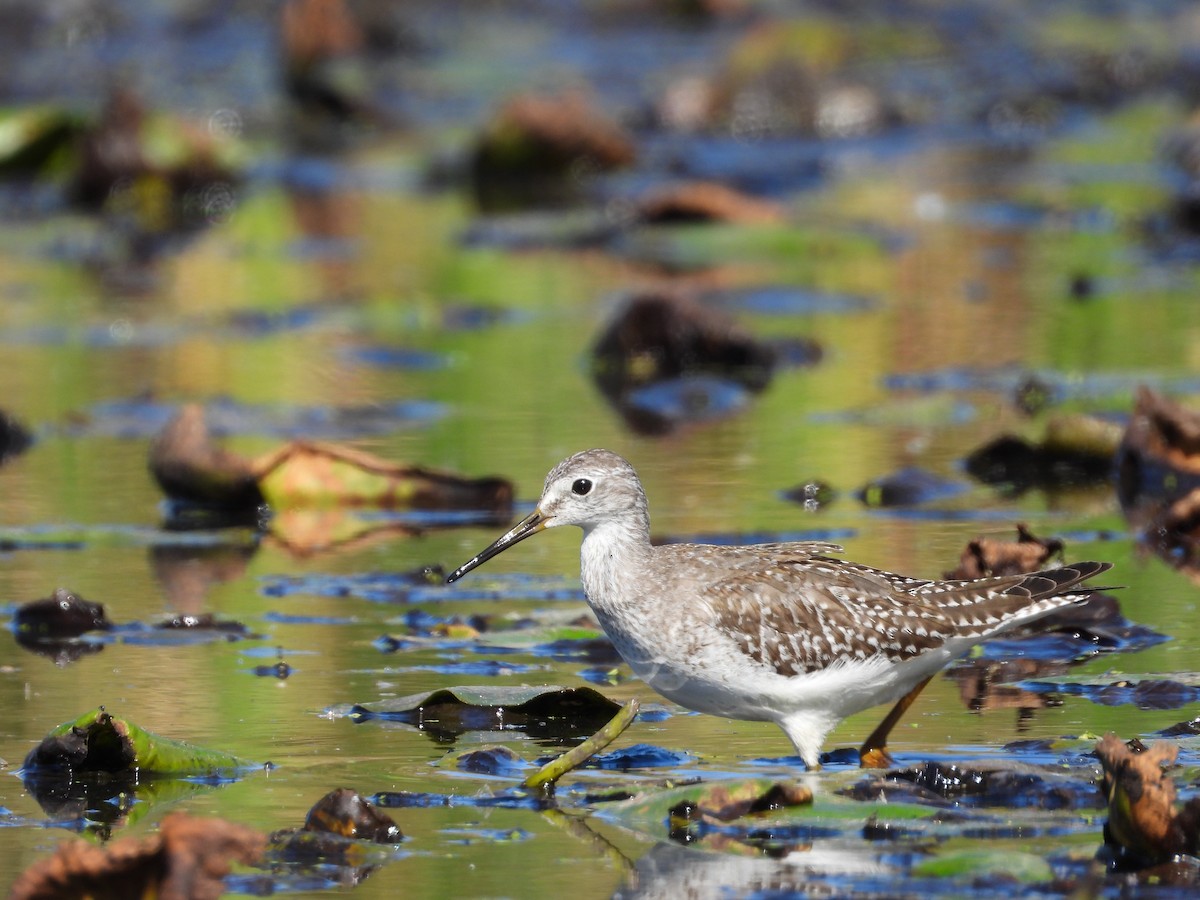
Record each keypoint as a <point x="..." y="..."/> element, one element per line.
<point x="581" y="486"/>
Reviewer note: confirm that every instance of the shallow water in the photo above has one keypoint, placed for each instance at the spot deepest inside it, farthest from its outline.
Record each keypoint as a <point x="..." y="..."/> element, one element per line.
<point x="932" y="264"/>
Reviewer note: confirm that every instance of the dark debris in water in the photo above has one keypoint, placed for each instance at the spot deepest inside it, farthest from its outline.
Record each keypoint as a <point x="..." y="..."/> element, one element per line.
<point x="909" y="486"/>
<point x="61" y="615"/>
<point x="492" y="761"/>
<point x="938" y="783"/>
<point x="539" y="712"/>
<point x="15" y="438"/>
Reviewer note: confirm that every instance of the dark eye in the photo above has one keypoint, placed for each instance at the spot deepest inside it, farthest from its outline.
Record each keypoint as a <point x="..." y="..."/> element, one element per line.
<point x="581" y="486"/>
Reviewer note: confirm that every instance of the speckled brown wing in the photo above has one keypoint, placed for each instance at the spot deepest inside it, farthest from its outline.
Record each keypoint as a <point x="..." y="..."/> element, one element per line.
<point x="804" y="614"/>
<point x="795" y="619"/>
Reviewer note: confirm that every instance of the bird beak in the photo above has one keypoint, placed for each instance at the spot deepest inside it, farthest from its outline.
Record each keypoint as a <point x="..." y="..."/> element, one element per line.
<point x="527" y="527"/>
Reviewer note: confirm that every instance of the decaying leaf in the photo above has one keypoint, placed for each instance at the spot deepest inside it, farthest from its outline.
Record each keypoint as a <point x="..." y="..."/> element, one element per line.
<point x="186" y="860"/>
<point x="1075" y="450"/>
<point x="61" y="615"/>
<point x="302" y="473"/>
<point x="1143" y="821"/>
<point x="347" y="813"/>
<point x="986" y="556"/>
<point x="342" y="829"/>
<point x="723" y="803"/>
<point x="99" y="742"/>
<point x="189" y="466"/>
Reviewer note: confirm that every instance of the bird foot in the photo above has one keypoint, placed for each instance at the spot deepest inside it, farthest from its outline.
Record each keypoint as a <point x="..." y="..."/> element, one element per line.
<point x="875" y="758"/>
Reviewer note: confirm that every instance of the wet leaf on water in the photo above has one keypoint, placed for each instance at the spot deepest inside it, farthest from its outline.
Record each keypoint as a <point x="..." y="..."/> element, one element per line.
<point x="310" y="473"/>
<point x="186" y="860"/>
<point x="1007" y="864"/>
<point x="1144" y="823"/>
<point x="347" y="813"/>
<point x="99" y="742"/>
<point x="525" y="155"/>
<point x="188" y="465"/>
<point x="986" y="556"/>
<point x="650" y="810"/>
<point x="1158" y="477"/>
<point x="1077" y="450"/>
<point x="451" y="711"/>
<point x="981" y="787"/>
<point x="61" y="615"/>
<point x="1182" y="729"/>
<point x="491" y="761"/>
<point x="660" y="336"/>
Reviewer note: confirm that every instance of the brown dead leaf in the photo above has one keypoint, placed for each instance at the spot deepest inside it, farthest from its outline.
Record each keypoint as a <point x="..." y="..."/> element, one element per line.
<point x="985" y="556"/>
<point x="186" y="860"/>
<point x="1142" y="817"/>
<point x="347" y="813"/>
<point x="719" y="804"/>
<point x="304" y="472"/>
<point x="188" y="465"/>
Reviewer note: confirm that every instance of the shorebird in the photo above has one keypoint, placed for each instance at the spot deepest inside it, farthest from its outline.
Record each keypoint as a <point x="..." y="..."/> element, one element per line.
<point x="785" y="632"/>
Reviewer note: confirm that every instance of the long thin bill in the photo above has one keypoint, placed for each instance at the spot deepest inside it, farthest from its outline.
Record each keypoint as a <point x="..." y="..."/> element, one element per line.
<point x="527" y="527"/>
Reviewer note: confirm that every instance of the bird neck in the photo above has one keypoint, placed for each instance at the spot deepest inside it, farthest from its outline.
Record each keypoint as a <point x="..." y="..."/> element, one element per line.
<point x="612" y="554"/>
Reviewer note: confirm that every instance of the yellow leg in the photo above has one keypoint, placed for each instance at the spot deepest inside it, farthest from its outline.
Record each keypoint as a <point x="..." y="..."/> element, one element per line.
<point x="873" y="753"/>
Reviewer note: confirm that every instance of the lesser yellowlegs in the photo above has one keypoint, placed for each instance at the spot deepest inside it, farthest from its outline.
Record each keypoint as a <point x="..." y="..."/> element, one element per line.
<point x="784" y="632"/>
